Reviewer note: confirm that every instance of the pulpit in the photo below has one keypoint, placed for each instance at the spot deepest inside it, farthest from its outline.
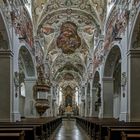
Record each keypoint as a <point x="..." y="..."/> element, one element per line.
<point x="40" y="91"/>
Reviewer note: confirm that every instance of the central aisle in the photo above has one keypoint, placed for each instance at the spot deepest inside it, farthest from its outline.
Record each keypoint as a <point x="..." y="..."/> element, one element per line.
<point x="70" y="131"/>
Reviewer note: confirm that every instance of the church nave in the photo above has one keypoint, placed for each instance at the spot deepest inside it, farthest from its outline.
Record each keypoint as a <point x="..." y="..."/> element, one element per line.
<point x="70" y="131"/>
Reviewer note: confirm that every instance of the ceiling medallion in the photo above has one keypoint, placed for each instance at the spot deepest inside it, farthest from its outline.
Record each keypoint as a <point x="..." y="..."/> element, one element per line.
<point x="68" y="40"/>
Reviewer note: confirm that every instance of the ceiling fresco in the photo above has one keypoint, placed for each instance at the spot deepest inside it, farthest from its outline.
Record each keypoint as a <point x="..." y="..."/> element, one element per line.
<point x="68" y="40"/>
<point x="66" y="29"/>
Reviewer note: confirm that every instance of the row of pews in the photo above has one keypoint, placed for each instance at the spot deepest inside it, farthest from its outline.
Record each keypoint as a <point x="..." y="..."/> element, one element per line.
<point x="30" y="129"/>
<point x="109" y="128"/>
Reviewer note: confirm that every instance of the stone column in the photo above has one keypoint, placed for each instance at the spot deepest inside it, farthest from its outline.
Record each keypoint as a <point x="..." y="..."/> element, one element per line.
<point x="86" y="102"/>
<point x="30" y="110"/>
<point x="6" y="86"/>
<point x="106" y="109"/>
<point x="48" y="112"/>
<point x="55" y="109"/>
<point x="134" y="85"/>
<point x="51" y="103"/>
<point x="80" y="105"/>
<point x="82" y="109"/>
<point x="91" y="99"/>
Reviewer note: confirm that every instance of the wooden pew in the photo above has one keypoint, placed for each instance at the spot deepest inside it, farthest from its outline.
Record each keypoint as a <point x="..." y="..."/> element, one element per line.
<point x="29" y="131"/>
<point x="112" y="130"/>
<point x="49" y="124"/>
<point x="128" y="136"/>
<point x="116" y="133"/>
<point x="101" y="127"/>
<point x="43" y="127"/>
<point x="98" y="131"/>
<point x="12" y="136"/>
<point x="92" y="125"/>
<point x="108" y="128"/>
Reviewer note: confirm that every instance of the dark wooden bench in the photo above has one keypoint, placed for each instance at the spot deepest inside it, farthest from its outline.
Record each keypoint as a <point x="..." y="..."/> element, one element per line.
<point x="49" y="124"/>
<point x="109" y="128"/>
<point x="116" y="133"/>
<point x="42" y="127"/>
<point x="30" y="132"/>
<point x="128" y="136"/>
<point x="92" y="125"/>
<point x="12" y="135"/>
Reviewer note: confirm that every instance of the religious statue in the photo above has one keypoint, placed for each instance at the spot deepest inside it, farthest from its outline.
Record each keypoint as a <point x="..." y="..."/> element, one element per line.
<point x="16" y="82"/>
<point x="123" y="79"/>
<point x="75" y="110"/>
<point x="61" y="110"/>
<point x="98" y="94"/>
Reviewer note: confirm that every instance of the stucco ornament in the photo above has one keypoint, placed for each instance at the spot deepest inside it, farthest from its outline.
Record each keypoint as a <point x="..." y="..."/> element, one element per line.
<point x="123" y="79"/>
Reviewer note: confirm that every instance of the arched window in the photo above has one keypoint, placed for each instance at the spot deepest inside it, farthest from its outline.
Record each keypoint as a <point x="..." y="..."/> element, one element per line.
<point x="22" y="89"/>
<point x="60" y="96"/>
<point x="76" y="96"/>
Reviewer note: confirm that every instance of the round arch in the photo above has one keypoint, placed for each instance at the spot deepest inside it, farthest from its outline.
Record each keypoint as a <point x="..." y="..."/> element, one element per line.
<point x="27" y="78"/>
<point x="4" y="35"/>
<point x="134" y="33"/>
<point x="112" y="83"/>
<point x="113" y="55"/>
<point x="26" y="61"/>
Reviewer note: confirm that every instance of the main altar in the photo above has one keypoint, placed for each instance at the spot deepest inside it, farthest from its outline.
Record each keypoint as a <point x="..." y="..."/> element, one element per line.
<point x="68" y="106"/>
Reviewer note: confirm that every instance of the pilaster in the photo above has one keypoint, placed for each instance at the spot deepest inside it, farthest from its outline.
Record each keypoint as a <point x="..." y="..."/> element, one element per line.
<point x="6" y="85"/>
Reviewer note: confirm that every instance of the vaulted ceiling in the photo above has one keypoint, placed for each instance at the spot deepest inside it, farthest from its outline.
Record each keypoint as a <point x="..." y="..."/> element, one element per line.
<point x="65" y="29"/>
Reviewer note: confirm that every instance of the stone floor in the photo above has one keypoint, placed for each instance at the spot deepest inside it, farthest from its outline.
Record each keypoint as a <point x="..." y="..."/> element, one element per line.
<point x="70" y="131"/>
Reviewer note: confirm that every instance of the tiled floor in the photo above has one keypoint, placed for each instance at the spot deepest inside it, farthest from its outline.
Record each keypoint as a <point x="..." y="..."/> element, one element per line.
<point x="70" y="131"/>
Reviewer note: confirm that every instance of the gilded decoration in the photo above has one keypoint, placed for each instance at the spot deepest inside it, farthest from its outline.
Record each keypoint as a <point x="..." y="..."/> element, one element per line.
<point x="68" y="40"/>
<point x="68" y="96"/>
